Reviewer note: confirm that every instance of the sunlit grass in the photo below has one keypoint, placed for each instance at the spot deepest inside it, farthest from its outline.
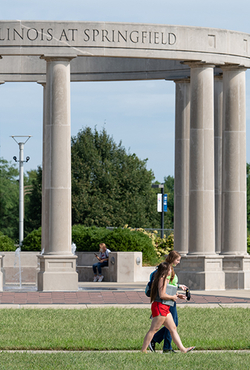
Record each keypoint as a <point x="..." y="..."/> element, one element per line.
<point x="119" y="328"/>
<point x="124" y="361"/>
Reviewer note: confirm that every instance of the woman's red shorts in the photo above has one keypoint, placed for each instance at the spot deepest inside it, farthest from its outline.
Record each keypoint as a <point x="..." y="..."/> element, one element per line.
<point x="158" y="308"/>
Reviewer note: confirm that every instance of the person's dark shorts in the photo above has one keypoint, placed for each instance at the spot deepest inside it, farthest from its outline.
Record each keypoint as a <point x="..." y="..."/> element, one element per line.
<point x="158" y="308"/>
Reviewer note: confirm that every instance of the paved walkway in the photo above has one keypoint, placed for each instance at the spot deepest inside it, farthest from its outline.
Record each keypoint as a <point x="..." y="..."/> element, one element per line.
<point x="115" y="294"/>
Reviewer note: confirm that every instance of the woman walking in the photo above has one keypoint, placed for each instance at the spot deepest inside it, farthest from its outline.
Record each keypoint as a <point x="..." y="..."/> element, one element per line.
<point x="173" y="258"/>
<point x="160" y="311"/>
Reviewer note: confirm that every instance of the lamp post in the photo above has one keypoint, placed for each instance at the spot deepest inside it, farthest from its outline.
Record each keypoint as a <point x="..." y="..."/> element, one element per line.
<point x="21" y="193"/>
<point x="161" y="186"/>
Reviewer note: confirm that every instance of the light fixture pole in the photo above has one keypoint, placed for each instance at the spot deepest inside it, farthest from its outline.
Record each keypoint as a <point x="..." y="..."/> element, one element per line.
<point x="21" y="193"/>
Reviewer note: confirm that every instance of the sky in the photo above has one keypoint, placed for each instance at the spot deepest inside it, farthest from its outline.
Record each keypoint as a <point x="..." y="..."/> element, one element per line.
<point x="141" y="114"/>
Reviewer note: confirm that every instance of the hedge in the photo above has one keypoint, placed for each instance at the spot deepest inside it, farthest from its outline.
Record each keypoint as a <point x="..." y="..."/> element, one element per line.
<point x="119" y="240"/>
<point x="6" y="243"/>
<point x="88" y="239"/>
<point x="124" y="240"/>
<point x="33" y="241"/>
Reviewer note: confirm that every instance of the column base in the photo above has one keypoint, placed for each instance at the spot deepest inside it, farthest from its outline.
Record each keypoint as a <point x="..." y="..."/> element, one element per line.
<point x="237" y="271"/>
<point x="217" y="272"/>
<point x="57" y="273"/>
<point x="201" y="272"/>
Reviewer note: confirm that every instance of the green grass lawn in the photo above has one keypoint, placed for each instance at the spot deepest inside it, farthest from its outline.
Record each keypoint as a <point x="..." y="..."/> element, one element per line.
<point x="120" y="329"/>
<point x="124" y="361"/>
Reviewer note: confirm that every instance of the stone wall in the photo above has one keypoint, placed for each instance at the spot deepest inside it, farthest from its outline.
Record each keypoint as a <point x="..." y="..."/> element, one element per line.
<point x="123" y="267"/>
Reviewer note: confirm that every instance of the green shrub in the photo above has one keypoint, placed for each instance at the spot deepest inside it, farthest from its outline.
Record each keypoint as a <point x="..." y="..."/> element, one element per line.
<point x="88" y="238"/>
<point x="125" y="240"/>
<point x="32" y="242"/>
<point x="6" y="243"/>
<point x="162" y="246"/>
<point x="248" y="244"/>
<point x="170" y="242"/>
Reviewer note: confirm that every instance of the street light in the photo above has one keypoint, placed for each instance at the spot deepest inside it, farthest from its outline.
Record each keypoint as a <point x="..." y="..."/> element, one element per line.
<point x="161" y="186"/>
<point x="21" y="196"/>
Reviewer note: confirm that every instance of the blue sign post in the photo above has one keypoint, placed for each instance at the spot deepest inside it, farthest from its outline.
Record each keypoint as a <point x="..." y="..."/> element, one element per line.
<point x="162" y="204"/>
<point x="165" y="202"/>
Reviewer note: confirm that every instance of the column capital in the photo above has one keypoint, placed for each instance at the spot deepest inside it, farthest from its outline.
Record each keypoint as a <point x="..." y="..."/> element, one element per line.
<point x="182" y="80"/>
<point x="233" y="67"/>
<point x="198" y="64"/>
<point x="58" y="57"/>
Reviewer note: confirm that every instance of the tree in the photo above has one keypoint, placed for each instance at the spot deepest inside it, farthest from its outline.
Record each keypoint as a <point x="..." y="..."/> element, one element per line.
<point x="109" y="186"/>
<point x="33" y="208"/>
<point x="169" y="189"/>
<point x="9" y="200"/>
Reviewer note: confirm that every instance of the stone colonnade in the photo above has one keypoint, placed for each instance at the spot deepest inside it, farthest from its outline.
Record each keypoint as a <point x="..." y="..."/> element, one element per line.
<point x="210" y="178"/>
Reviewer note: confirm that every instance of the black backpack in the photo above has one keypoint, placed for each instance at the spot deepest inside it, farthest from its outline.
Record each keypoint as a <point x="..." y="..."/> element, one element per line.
<point x="149" y="284"/>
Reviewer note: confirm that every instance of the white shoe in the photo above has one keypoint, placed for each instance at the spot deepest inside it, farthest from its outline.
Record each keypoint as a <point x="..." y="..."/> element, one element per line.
<point x="101" y="277"/>
<point x="95" y="278"/>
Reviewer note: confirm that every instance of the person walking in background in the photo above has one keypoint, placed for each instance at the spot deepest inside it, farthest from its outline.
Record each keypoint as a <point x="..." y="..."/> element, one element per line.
<point x="173" y="259"/>
<point x="103" y="261"/>
<point x="160" y="310"/>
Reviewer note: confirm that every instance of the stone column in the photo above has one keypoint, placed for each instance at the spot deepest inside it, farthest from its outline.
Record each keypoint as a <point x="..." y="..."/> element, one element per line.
<point x="234" y="162"/>
<point x="201" y="192"/>
<point x="201" y="268"/>
<point x="218" y="116"/>
<point x="58" y="264"/>
<point x="236" y="262"/>
<point x="2" y="274"/>
<point x="45" y="227"/>
<point x="181" y="182"/>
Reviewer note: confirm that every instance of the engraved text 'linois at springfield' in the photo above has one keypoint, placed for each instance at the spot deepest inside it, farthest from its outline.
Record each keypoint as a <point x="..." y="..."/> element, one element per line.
<point x="86" y="36"/>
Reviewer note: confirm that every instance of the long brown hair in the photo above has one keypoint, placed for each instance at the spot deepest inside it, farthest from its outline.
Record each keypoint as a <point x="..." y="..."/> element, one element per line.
<point x="162" y="271"/>
<point x="171" y="257"/>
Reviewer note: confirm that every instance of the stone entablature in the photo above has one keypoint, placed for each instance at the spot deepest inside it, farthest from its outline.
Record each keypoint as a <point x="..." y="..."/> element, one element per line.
<point x="131" y="51"/>
<point x="114" y="39"/>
